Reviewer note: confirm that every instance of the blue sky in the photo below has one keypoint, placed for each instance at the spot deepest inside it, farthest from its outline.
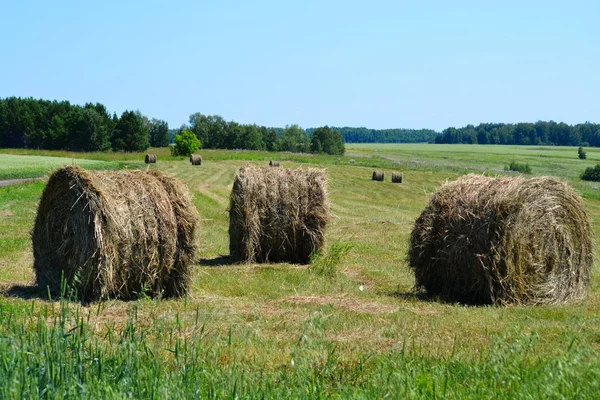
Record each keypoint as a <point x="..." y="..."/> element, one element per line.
<point x="379" y="64"/>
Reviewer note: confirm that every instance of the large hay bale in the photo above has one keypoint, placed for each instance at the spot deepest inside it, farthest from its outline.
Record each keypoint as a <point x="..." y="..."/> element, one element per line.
<point x="114" y="234"/>
<point x="150" y="159"/>
<point x="397" y="177"/>
<point x="274" y="163"/>
<point x="196" y="159"/>
<point x="378" y="176"/>
<point x="277" y="214"/>
<point x="503" y="240"/>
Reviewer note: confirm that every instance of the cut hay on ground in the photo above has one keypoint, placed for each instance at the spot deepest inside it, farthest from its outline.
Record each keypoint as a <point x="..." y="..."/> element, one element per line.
<point x="274" y="163"/>
<point x="503" y="240"/>
<point x="196" y="159"/>
<point x="378" y="176"/>
<point x="397" y="177"/>
<point x="277" y="214"/>
<point x="114" y="234"/>
<point x="150" y="159"/>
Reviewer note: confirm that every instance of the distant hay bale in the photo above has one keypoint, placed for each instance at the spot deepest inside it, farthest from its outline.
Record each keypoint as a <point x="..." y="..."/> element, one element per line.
<point x="274" y="163"/>
<point x="503" y="240"/>
<point x="196" y="159"/>
<point x="378" y="176"/>
<point x="397" y="177"/>
<point x="150" y="159"/>
<point x="352" y="161"/>
<point x="277" y="214"/>
<point x="114" y="234"/>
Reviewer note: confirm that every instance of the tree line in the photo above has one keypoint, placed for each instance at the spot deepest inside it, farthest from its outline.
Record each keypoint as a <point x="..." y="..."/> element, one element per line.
<point x="216" y="133"/>
<point x="59" y="125"/>
<point x="539" y="133"/>
<point x="365" y="135"/>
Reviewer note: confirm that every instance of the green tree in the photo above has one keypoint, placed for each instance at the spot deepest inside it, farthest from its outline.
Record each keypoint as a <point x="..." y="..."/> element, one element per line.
<point x="130" y="133"/>
<point x="294" y="139"/>
<point x="186" y="143"/>
<point x="159" y="133"/>
<point x="581" y="153"/>
<point x="327" y="140"/>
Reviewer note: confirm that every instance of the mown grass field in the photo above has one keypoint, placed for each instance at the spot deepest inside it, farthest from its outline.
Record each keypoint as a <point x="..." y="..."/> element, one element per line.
<point x="278" y="330"/>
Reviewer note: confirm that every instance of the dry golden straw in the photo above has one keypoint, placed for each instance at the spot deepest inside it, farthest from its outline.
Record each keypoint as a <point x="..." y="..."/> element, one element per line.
<point x="503" y="240"/>
<point x="150" y="159"/>
<point x="196" y="159"/>
<point x="277" y="214"/>
<point x="114" y="234"/>
<point x="378" y="176"/>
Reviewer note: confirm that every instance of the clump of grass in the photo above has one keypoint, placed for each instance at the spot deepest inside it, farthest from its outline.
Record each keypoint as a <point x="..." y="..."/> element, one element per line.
<point x="326" y="264"/>
<point x="518" y="167"/>
<point x="591" y="174"/>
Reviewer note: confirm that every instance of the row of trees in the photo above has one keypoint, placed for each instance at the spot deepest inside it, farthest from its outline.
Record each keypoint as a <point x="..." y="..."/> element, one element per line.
<point x="365" y="135"/>
<point x="54" y="125"/>
<point x="539" y="133"/>
<point x="216" y="133"/>
<point x="43" y="124"/>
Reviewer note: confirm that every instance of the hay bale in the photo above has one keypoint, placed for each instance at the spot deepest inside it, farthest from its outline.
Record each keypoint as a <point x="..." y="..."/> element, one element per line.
<point x="503" y="240"/>
<point x="150" y="159"/>
<point x="277" y="214"/>
<point x="274" y="163"/>
<point x="196" y="159"/>
<point x="397" y="177"/>
<point x="378" y="176"/>
<point x="114" y="234"/>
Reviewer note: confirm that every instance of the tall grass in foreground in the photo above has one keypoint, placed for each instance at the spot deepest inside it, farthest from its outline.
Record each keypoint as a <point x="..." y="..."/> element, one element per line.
<point x="56" y="350"/>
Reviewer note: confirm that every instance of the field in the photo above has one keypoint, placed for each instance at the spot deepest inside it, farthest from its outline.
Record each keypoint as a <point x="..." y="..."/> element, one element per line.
<point x="281" y="330"/>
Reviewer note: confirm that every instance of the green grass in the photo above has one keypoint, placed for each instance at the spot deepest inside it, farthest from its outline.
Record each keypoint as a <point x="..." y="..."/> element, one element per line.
<point x="241" y="326"/>
<point x="13" y="166"/>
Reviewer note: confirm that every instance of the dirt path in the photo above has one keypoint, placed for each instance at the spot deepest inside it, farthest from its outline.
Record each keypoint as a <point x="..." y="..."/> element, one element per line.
<point x="9" y="182"/>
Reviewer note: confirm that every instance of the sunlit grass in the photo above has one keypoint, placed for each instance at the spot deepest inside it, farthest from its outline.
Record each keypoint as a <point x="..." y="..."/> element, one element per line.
<point x="242" y="325"/>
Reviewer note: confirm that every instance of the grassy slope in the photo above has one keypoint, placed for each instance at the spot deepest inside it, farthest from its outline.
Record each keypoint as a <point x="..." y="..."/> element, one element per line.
<point x="242" y="325"/>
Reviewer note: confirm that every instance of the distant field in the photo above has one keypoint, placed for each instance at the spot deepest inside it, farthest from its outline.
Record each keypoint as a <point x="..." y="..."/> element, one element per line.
<point x="14" y="166"/>
<point x="277" y="330"/>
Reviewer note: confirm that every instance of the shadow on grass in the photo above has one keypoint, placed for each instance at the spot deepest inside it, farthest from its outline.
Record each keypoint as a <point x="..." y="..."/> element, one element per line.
<point x="414" y="296"/>
<point x="27" y="292"/>
<point x="221" y="261"/>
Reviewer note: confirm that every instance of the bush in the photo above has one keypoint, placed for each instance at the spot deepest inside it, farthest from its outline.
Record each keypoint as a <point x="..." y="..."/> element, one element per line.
<point x="518" y="167"/>
<point x="186" y="143"/>
<point x="591" y="174"/>
<point x="582" y="155"/>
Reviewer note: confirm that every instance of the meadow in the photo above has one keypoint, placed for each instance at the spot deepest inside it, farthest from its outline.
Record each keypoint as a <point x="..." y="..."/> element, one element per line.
<point x="292" y="331"/>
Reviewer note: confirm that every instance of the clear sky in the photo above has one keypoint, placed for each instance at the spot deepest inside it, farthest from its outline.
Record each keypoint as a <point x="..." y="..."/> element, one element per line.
<point x="379" y="64"/>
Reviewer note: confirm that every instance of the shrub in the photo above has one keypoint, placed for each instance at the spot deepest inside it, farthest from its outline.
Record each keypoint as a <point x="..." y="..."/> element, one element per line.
<point x="581" y="153"/>
<point x="518" y="167"/>
<point x="591" y="174"/>
<point x="186" y="143"/>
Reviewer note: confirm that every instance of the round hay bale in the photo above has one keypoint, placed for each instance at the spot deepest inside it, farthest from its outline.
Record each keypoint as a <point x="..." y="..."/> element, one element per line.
<point x="274" y="163"/>
<point x="277" y="214"/>
<point x="114" y="234"/>
<point x="397" y="177"/>
<point x="378" y="176"/>
<point x="196" y="159"/>
<point x="505" y="240"/>
<point x="150" y="159"/>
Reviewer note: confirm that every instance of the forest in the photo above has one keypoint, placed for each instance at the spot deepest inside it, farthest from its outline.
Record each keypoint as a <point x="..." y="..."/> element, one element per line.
<point x="60" y="125"/>
<point x="539" y="133"/>
<point x="366" y="135"/>
<point x="54" y="125"/>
